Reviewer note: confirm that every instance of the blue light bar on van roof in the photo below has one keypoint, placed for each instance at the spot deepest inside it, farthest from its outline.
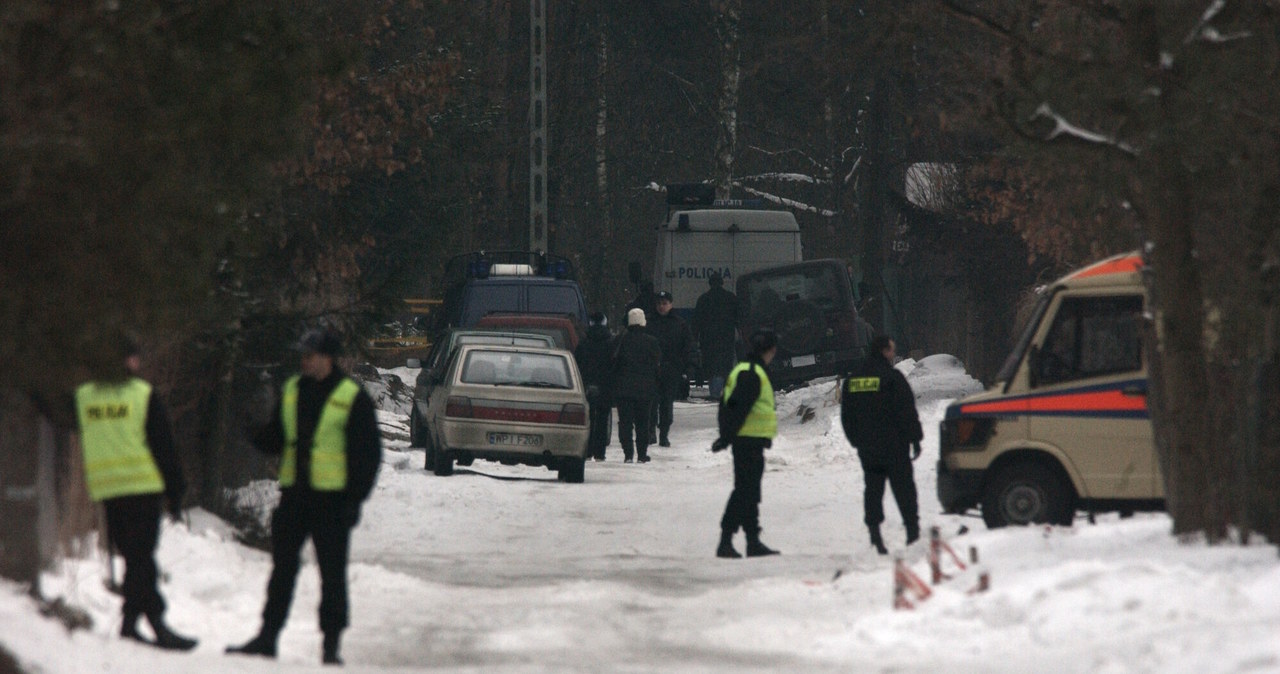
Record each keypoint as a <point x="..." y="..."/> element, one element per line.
<point x="478" y="268"/>
<point x="559" y="268"/>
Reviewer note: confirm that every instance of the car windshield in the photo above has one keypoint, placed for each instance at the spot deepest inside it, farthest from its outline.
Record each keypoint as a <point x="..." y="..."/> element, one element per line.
<point x="511" y="368"/>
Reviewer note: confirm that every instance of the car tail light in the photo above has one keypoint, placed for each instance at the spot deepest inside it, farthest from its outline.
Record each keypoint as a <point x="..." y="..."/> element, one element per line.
<point x="573" y="414"/>
<point x="458" y="406"/>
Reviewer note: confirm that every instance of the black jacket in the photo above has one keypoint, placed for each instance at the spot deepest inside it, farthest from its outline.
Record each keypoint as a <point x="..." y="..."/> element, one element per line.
<point x="676" y="340"/>
<point x="878" y="411"/>
<point x="733" y="412"/>
<point x="595" y="361"/>
<point x="715" y="324"/>
<point x="636" y="358"/>
<point x="364" y="442"/>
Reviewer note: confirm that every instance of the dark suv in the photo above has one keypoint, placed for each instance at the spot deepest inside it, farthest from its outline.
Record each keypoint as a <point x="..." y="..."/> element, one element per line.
<point x="810" y="306"/>
<point x="483" y="283"/>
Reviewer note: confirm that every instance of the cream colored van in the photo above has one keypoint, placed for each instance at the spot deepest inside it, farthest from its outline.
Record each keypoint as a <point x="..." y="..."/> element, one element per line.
<point x="1065" y="428"/>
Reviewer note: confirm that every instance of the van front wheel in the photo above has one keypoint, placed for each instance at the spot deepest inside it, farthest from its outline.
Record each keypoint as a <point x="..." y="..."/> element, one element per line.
<point x="1026" y="493"/>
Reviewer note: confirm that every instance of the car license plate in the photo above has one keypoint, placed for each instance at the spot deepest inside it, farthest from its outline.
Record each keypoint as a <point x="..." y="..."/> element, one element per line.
<point x="515" y="439"/>
<point x="802" y="361"/>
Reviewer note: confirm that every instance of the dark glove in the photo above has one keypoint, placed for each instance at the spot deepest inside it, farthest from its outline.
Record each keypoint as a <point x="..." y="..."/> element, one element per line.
<point x="915" y="450"/>
<point x="719" y="445"/>
<point x="351" y="513"/>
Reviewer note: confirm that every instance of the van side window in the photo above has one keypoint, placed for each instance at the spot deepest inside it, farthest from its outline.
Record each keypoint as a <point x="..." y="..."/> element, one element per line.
<point x="1090" y="337"/>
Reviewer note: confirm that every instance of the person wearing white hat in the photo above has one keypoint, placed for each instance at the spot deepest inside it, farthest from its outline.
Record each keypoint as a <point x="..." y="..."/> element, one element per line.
<point x="636" y="359"/>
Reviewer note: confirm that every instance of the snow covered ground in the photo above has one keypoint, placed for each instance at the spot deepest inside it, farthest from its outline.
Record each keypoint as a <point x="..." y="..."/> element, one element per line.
<point x="504" y="569"/>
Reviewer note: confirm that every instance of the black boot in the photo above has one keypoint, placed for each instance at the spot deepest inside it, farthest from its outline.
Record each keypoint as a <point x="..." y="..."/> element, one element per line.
<point x="129" y="628"/>
<point x="877" y="542"/>
<point x="264" y="644"/>
<point x="167" y="638"/>
<point x="663" y="441"/>
<point x="913" y="533"/>
<point x="331" y="642"/>
<point x="726" y="551"/>
<point x="757" y="549"/>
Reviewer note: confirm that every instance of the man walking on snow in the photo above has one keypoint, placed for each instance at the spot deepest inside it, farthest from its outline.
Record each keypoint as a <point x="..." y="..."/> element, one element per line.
<point x="325" y="427"/>
<point x="749" y="421"/>
<point x="878" y="412"/>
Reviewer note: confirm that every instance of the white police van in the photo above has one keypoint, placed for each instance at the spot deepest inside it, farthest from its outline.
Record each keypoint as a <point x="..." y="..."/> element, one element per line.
<point x="701" y="236"/>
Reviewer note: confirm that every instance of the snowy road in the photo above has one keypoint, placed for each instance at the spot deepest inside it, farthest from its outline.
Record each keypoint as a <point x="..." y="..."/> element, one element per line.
<point x="504" y="569"/>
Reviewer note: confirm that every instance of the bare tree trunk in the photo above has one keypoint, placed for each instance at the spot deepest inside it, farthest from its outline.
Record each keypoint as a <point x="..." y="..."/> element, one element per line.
<point x="603" y="202"/>
<point x="728" y="34"/>
<point x="19" y="475"/>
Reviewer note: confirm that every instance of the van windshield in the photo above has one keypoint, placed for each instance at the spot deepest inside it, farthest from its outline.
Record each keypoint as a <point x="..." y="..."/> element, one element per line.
<point x="559" y="299"/>
<point x="485" y="299"/>
<point x="1010" y="366"/>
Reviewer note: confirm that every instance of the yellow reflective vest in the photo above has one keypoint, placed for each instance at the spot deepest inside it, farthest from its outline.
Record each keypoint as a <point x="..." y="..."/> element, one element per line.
<point x="762" y="419"/>
<point x="328" y="446"/>
<point x="113" y="433"/>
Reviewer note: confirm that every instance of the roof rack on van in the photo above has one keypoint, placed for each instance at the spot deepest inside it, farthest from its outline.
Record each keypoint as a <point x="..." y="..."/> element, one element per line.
<point x="694" y="196"/>
<point x="486" y="264"/>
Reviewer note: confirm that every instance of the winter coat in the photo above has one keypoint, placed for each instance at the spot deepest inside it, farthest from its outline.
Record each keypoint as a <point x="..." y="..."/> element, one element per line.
<point x="595" y="362"/>
<point x="715" y="324"/>
<point x="878" y="411"/>
<point x="734" y="409"/>
<point x="678" y="347"/>
<point x="646" y="301"/>
<point x="636" y="358"/>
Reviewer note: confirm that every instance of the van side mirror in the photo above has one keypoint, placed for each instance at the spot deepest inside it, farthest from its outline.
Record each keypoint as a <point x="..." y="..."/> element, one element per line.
<point x="633" y="271"/>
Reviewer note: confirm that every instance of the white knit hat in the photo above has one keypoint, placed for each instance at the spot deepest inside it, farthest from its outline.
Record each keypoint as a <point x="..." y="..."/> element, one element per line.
<point x="636" y="317"/>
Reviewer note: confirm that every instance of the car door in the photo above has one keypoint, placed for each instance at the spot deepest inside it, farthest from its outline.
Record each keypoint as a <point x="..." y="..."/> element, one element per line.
<point x="440" y="394"/>
<point x="1088" y="395"/>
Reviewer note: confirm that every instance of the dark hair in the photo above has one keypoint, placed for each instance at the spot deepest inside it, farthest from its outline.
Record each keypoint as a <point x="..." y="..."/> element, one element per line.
<point x="763" y="340"/>
<point x="597" y="318"/>
<point x="715" y="280"/>
<point x="879" y="344"/>
<point x="321" y="340"/>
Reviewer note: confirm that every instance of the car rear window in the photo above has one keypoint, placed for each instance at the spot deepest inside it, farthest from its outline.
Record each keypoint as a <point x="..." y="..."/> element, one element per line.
<point x="485" y="299"/>
<point x="508" y="368"/>
<point x="763" y="295"/>
<point x="553" y="299"/>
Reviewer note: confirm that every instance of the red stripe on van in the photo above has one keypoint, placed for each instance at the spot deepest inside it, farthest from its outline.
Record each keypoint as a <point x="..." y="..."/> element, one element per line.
<point x="1124" y="265"/>
<point x="1085" y="402"/>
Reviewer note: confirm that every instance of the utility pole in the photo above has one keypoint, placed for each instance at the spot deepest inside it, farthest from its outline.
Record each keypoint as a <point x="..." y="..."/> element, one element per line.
<point x="537" y="126"/>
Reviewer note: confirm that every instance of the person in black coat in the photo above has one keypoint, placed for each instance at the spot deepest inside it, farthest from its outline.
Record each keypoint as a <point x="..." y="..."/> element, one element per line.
<point x="595" y="362"/>
<point x="636" y="359"/>
<point x="645" y="300"/>
<point x="878" y="412"/>
<point x="325" y="426"/>
<point x="679" y="353"/>
<point x="715" y="325"/>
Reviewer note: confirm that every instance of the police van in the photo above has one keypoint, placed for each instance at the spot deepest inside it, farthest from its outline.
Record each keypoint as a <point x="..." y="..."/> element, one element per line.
<point x="1066" y="426"/>
<point x="701" y="236"/>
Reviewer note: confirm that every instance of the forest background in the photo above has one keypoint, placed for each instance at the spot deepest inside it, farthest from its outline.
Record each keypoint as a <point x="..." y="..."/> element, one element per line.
<point x="214" y="176"/>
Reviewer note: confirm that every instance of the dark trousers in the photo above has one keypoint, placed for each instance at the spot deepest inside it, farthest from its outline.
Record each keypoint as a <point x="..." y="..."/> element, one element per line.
<point x="633" y="413"/>
<point x="663" y="406"/>
<point x="901" y="479"/>
<point x="743" y="508"/>
<point x="598" y="438"/>
<point x="133" y="527"/>
<point x="319" y="516"/>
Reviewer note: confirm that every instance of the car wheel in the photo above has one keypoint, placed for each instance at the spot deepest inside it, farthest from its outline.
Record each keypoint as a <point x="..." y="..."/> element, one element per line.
<point x="1027" y="493"/>
<point x="572" y="470"/>
<point x="443" y="462"/>
<point x="416" y="432"/>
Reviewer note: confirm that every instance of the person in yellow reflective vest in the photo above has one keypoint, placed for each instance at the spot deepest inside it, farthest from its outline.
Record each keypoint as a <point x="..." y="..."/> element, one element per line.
<point x="129" y="462"/>
<point x="878" y="414"/>
<point x="326" y="431"/>
<point x="748" y="421"/>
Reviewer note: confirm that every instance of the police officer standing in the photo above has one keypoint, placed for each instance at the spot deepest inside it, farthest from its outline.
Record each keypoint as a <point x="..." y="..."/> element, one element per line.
<point x="129" y="461"/>
<point x="325" y="428"/>
<point x="595" y="362"/>
<point x="678" y="354"/>
<point x="749" y="421"/>
<point x="715" y="324"/>
<point x="636" y="358"/>
<point x="878" y="412"/>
